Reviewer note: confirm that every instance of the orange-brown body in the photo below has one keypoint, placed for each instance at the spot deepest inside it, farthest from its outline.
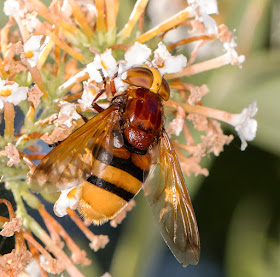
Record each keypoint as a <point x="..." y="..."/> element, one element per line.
<point x="142" y="118"/>
<point x="111" y="156"/>
<point x="118" y="174"/>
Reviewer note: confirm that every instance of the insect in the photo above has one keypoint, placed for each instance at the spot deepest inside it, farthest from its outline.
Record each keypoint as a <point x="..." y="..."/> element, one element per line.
<point x="116" y="153"/>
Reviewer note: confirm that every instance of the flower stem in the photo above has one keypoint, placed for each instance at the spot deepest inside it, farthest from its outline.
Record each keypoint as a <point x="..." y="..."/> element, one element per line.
<point x="61" y="231"/>
<point x="111" y="14"/>
<point x="36" y="76"/>
<point x="58" y="253"/>
<point x="208" y="112"/>
<point x="138" y="10"/>
<point x="9" y="115"/>
<point x="100" y="20"/>
<point x="77" y="13"/>
<point x="165" y="26"/>
<point x="201" y="67"/>
<point x="81" y="225"/>
<point x="191" y="39"/>
<point x="9" y="207"/>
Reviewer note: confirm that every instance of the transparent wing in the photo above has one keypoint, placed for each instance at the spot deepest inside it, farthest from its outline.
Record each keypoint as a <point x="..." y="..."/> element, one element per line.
<point x="70" y="163"/>
<point x="167" y="194"/>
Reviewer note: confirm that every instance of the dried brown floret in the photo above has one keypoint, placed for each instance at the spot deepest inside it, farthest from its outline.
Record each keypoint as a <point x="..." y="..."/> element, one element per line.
<point x="13" y="154"/>
<point x="34" y="95"/>
<point x="9" y="228"/>
<point x="99" y="242"/>
<point x="122" y="215"/>
<point x="15" y="262"/>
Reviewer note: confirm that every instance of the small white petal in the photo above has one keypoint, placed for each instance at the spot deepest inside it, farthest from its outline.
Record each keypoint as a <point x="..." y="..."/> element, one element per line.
<point x="89" y="93"/>
<point x="171" y="64"/>
<point x="208" y="6"/>
<point x="245" y="126"/>
<point x="93" y="70"/>
<point x="17" y="95"/>
<point x="109" y="63"/>
<point x="106" y="62"/>
<point x="137" y="54"/>
<point x="33" y="45"/>
<point x="232" y="55"/>
<point x="241" y="59"/>
<point x="247" y="133"/>
<point x="87" y="98"/>
<point x="2" y="83"/>
<point x="174" y="64"/>
<point x="209" y="23"/>
<point x="118" y="81"/>
<point x="69" y="110"/>
<point x="64" y="202"/>
<point x="13" y="8"/>
<point x="162" y="51"/>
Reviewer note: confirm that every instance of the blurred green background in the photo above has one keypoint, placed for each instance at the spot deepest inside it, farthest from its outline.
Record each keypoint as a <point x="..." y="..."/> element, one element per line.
<point x="238" y="205"/>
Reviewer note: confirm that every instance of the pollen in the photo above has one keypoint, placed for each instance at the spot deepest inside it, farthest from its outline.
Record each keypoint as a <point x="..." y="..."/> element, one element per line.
<point x="71" y="194"/>
<point x="161" y="64"/>
<point x="93" y="92"/>
<point x="103" y="64"/>
<point x="5" y="92"/>
<point x="29" y="54"/>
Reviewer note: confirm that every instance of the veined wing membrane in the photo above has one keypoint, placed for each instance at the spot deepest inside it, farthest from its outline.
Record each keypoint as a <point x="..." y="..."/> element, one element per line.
<point x="68" y="164"/>
<point x="167" y="194"/>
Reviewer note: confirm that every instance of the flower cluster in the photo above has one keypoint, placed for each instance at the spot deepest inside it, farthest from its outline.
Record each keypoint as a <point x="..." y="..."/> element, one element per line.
<point x="54" y="71"/>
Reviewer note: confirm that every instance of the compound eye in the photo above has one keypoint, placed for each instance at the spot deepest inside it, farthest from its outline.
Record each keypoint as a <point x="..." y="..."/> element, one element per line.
<point x="140" y="77"/>
<point x="164" y="90"/>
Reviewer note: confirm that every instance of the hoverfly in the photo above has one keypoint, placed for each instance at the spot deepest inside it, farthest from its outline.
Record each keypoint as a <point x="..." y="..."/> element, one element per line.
<point x="117" y="152"/>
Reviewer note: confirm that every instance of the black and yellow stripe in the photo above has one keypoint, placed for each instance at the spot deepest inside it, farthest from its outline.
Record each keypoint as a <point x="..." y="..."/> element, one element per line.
<point x="124" y="164"/>
<point x="125" y="195"/>
<point x="116" y="178"/>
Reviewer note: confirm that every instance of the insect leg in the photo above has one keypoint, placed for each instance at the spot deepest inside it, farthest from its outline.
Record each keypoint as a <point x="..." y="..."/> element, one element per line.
<point x="84" y="118"/>
<point x="94" y="104"/>
<point x="97" y="107"/>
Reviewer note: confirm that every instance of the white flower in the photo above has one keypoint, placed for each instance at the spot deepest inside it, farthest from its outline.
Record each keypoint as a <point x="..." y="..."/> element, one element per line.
<point x="165" y="62"/>
<point x="206" y="7"/>
<point x="11" y="92"/>
<point x="87" y="96"/>
<point x="245" y="126"/>
<point x="68" y="198"/>
<point x="137" y="54"/>
<point x="33" y="48"/>
<point x="118" y="81"/>
<point x="89" y="93"/>
<point x="232" y="55"/>
<point x="31" y="22"/>
<point x="33" y="268"/>
<point x="14" y="8"/>
<point x="67" y="113"/>
<point x="106" y="62"/>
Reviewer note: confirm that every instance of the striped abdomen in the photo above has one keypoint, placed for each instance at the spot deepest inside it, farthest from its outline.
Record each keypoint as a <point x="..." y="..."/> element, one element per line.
<point x="116" y="178"/>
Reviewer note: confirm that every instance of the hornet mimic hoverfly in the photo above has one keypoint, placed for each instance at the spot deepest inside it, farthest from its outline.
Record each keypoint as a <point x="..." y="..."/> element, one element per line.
<point x="117" y="152"/>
